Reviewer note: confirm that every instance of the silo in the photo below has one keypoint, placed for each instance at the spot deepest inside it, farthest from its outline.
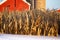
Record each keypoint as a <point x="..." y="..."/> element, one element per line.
<point x="32" y="4"/>
<point x="40" y="4"/>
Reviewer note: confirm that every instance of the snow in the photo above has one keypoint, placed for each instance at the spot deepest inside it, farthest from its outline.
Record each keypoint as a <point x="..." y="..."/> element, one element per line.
<point x="26" y="37"/>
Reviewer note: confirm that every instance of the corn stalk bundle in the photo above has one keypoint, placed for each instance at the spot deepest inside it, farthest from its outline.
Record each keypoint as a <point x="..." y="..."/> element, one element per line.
<point x="33" y="22"/>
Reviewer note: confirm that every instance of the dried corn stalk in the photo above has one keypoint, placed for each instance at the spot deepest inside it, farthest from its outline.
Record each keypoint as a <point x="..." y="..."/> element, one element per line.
<point x="34" y="22"/>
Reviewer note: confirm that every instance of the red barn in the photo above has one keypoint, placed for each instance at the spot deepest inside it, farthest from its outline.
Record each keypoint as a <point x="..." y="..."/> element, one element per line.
<point x="14" y="5"/>
<point x="58" y="10"/>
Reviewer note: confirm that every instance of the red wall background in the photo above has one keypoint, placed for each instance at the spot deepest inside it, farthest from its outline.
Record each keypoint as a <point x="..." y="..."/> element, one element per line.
<point x="20" y="5"/>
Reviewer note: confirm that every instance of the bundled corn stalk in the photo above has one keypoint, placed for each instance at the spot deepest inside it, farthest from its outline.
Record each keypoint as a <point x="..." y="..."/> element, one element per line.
<point x="33" y="22"/>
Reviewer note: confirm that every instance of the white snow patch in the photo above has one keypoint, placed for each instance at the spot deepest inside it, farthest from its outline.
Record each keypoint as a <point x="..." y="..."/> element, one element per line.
<point x="26" y="37"/>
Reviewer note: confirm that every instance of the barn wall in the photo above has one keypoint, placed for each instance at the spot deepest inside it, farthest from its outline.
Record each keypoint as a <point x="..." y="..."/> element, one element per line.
<point x="20" y="5"/>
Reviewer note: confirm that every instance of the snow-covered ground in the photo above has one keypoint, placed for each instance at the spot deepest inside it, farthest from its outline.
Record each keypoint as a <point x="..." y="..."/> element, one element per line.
<point x="26" y="37"/>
